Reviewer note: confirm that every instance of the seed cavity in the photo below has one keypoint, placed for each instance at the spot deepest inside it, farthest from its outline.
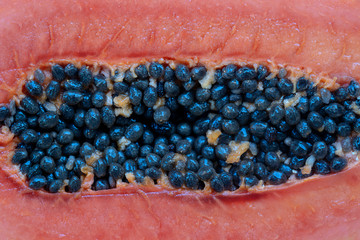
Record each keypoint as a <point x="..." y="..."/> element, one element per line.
<point x="228" y="128"/>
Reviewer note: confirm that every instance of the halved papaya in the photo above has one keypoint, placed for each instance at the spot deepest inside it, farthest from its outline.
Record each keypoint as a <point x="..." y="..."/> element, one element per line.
<point x="320" y="38"/>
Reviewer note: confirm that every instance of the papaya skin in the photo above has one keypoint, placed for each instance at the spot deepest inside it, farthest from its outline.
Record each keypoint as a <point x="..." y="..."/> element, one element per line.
<point x="321" y="37"/>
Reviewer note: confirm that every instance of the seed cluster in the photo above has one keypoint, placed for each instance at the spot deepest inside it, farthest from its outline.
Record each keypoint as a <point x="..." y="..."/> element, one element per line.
<point x="229" y="128"/>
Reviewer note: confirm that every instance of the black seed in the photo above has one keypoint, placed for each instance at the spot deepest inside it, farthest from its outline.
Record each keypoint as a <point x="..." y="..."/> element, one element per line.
<point x="74" y="184"/>
<point x="298" y="148"/>
<point x="73" y="84"/>
<point x="184" y="129"/>
<point x="67" y="112"/>
<point x="320" y="150"/>
<point x="18" y="127"/>
<point x="191" y="180"/>
<point x="29" y="105"/>
<point x="246" y="167"/>
<point x="302" y="84"/>
<point x="120" y="87"/>
<point x="86" y="102"/>
<point x="234" y="84"/>
<point x="36" y="156"/>
<point x="258" y="128"/>
<point x="228" y="72"/>
<point x="39" y="75"/>
<point x="297" y="163"/>
<point x="55" y="186"/>
<point x="272" y="160"/>
<point x="162" y="115"/>
<point x="218" y="91"/>
<point x="153" y="173"/>
<point x="343" y="129"/>
<point x="186" y="99"/>
<point x="270" y="134"/>
<point x="100" y="168"/>
<point x="98" y="99"/>
<point x="268" y="83"/>
<point x="116" y="171"/>
<point x="4" y="113"/>
<point x="61" y="172"/>
<point x="34" y="170"/>
<point x="335" y="110"/>
<point x="261" y="103"/>
<point x="321" y="167"/>
<point x="303" y="128"/>
<point x="329" y="125"/>
<point x="189" y="85"/>
<point x="101" y="141"/>
<point x="276" y="178"/>
<point x="315" y="103"/>
<point x="182" y="73"/>
<point x="34" y="88"/>
<point x="58" y="72"/>
<point x="259" y="116"/>
<point x="276" y="114"/>
<point x="338" y="164"/>
<point x="176" y="179"/>
<point x="48" y="164"/>
<point x="135" y="95"/>
<point x="222" y="151"/>
<point x="341" y="94"/>
<point x="141" y="71"/>
<point x="29" y="136"/>
<point x="356" y="143"/>
<point x="245" y="73"/>
<point x="134" y="132"/>
<point x="116" y="133"/>
<point x="79" y="118"/>
<point x="20" y="116"/>
<point x="54" y="151"/>
<point x="19" y="156"/>
<point x="272" y="94"/>
<point x="349" y="117"/>
<point x="353" y="89"/>
<point x="303" y="105"/>
<point x="251" y="181"/>
<point x="153" y="160"/>
<point x="243" y="116"/>
<point x="65" y="136"/>
<point x="286" y="170"/>
<point x="230" y="126"/>
<point x="315" y="120"/>
<point x="85" y="76"/>
<point x="71" y="71"/>
<point x="171" y="89"/>
<point x="32" y="121"/>
<point x="216" y="184"/>
<point x="72" y="148"/>
<point x="262" y="72"/>
<point x="249" y="86"/>
<point x="243" y="135"/>
<point x="261" y="171"/>
<point x="198" y="73"/>
<point x="183" y="147"/>
<point x="221" y="102"/>
<point x="205" y="173"/>
<point x="45" y="141"/>
<point x="100" y="83"/>
<point x="108" y="116"/>
<point x="37" y="182"/>
<point x="199" y="108"/>
<point x="285" y="86"/>
<point x="292" y="116"/>
<point x="156" y="70"/>
<point x="92" y="118"/>
<point x="150" y="96"/>
<point x="48" y="120"/>
<point x="230" y="111"/>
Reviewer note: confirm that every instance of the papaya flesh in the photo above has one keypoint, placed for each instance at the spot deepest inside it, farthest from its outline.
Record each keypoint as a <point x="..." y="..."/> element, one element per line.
<point x="320" y="37"/>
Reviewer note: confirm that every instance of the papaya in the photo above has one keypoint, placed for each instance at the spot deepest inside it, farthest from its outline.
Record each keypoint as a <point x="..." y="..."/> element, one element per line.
<point x="319" y="39"/>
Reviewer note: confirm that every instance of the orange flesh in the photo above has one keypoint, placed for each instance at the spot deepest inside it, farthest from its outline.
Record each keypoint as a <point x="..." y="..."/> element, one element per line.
<point x="321" y="37"/>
